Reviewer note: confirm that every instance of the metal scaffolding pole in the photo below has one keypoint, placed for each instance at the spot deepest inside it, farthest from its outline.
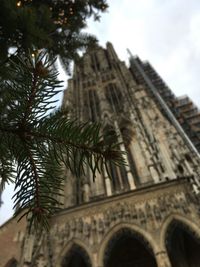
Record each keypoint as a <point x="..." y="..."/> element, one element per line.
<point x="163" y="104"/>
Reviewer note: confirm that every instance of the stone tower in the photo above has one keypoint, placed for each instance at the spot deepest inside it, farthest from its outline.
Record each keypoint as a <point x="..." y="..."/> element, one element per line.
<point x="183" y="108"/>
<point x="147" y="214"/>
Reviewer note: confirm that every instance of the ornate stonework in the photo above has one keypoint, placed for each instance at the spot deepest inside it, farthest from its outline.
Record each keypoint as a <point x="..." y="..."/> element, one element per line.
<point x="139" y="215"/>
<point x="146" y="213"/>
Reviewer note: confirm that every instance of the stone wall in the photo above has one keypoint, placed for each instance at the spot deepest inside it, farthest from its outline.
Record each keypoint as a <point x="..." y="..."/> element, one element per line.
<point x="147" y="212"/>
<point x="11" y="240"/>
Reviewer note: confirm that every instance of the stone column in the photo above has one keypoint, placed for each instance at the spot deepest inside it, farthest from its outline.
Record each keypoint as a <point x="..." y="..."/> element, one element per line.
<point x="154" y="174"/>
<point x="86" y="192"/>
<point x="86" y="185"/>
<point x="107" y="183"/>
<point x="166" y="159"/>
<point x="138" y="148"/>
<point x="162" y="259"/>
<point x="27" y="251"/>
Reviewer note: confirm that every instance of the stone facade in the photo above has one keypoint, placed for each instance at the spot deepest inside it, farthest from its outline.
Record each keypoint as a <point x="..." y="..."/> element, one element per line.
<point x="148" y="212"/>
<point x="182" y="107"/>
<point x="12" y="235"/>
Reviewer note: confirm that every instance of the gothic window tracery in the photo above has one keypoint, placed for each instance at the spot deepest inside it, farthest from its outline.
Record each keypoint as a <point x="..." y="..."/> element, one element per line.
<point x="93" y="106"/>
<point x="95" y="65"/>
<point x="114" y="97"/>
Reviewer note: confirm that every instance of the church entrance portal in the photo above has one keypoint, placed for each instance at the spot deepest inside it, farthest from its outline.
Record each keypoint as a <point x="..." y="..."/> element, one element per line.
<point x="76" y="257"/>
<point x="183" y="248"/>
<point x="127" y="249"/>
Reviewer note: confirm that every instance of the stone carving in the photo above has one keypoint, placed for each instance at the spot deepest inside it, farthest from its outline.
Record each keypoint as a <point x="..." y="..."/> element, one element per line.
<point x="41" y="262"/>
<point x="149" y="214"/>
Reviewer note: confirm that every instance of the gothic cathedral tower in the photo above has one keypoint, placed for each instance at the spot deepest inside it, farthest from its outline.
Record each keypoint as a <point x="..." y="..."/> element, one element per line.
<point x="147" y="214"/>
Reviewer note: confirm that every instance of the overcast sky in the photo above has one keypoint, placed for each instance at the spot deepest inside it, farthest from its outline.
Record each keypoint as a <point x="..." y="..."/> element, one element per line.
<point x="164" y="32"/>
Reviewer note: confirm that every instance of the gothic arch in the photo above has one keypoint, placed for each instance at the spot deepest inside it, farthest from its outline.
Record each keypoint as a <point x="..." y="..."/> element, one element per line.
<point x="193" y="227"/>
<point x="113" y="95"/>
<point x="73" y="245"/>
<point x="148" y="238"/>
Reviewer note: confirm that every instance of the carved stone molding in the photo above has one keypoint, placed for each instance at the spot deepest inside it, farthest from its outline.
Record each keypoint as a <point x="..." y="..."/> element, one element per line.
<point x="148" y="215"/>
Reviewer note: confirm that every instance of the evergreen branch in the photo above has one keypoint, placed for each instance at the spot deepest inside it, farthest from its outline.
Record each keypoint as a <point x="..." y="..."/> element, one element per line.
<point x="35" y="176"/>
<point x="39" y="143"/>
<point x="39" y="24"/>
<point x="31" y="98"/>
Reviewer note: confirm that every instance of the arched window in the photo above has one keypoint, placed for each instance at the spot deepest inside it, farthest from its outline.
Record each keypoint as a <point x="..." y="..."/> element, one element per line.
<point x="91" y="106"/>
<point x="95" y="65"/>
<point x="182" y="246"/>
<point x="128" y="249"/>
<point x="94" y="105"/>
<point x="114" y="97"/>
<point x="76" y="257"/>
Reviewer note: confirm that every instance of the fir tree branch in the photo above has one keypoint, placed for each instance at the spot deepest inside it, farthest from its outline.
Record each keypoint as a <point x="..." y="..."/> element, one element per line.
<point x="31" y="98"/>
<point x="35" y="176"/>
<point x="39" y="143"/>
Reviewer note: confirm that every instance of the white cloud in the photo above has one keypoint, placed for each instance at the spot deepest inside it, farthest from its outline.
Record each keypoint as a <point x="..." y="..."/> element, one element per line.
<point x="194" y="36"/>
<point x="166" y="33"/>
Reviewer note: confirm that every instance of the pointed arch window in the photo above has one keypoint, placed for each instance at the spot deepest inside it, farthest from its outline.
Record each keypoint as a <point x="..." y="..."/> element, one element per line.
<point x="91" y="107"/>
<point x="94" y="108"/>
<point x="95" y="62"/>
<point x="114" y="97"/>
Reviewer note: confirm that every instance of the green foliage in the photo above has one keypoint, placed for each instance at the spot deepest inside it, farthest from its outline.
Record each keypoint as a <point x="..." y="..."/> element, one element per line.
<point x="53" y="25"/>
<point x="35" y="142"/>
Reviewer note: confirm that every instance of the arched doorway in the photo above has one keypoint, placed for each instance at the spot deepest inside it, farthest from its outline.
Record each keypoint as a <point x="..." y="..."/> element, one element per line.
<point x="76" y="257"/>
<point x="182" y="246"/>
<point x="128" y="249"/>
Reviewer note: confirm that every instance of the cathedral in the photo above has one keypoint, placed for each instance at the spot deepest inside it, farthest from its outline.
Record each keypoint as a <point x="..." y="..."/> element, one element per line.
<point x="147" y="214"/>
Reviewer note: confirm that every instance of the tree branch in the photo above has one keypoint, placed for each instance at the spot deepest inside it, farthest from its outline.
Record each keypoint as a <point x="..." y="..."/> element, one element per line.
<point x="30" y="135"/>
<point x="31" y="98"/>
<point x="35" y="175"/>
